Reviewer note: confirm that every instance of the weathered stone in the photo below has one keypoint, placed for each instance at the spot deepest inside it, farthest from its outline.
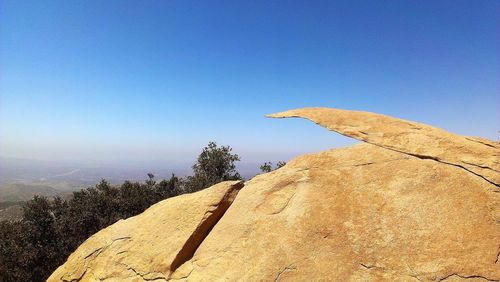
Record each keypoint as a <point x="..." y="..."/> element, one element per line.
<point x="153" y="244"/>
<point x="474" y="154"/>
<point x="417" y="204"/>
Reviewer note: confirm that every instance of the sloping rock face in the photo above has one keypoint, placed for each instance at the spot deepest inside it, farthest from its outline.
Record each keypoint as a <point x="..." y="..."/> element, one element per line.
<point x="413" y="203"/>
<point x="151" y="245"/>
<point x="410" y="138"/>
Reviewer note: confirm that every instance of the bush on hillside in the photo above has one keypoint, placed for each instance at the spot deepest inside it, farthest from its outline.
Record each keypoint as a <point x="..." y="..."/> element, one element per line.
<point x="51" y="229"/>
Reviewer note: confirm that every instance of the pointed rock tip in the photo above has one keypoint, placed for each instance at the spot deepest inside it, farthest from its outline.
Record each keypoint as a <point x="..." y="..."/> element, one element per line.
<point x="407" y="137"/>
<point x="297" y="112"/>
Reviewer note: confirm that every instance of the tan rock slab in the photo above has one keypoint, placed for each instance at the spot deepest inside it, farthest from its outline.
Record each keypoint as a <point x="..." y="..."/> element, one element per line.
<point x="153" y="244"/>
<point x="477" y="155"/>
<point x="414" y="203"/>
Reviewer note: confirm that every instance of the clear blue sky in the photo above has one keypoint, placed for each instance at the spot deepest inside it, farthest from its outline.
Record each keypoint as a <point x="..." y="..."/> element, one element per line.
<point x="156" y="80"/>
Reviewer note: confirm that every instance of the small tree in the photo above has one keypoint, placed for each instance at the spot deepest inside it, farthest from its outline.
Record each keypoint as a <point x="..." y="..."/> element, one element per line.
<point x="268" y="166"/>
<point x="151" y="180"/>
<point x="51" y="229"/>
<point x="214" y="164"/>
<point x="168" y="188"/>
<point x="280" y="164"/>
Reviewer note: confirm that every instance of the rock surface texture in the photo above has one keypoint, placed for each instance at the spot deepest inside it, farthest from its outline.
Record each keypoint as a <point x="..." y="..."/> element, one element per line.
<point x="413" y="203"/>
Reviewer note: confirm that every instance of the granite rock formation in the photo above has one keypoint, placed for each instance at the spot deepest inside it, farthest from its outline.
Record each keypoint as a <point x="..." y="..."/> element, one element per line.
<point x="411" y="203"/>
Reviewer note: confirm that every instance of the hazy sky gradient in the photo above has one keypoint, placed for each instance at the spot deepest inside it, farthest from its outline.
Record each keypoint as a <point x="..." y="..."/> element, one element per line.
<point x="141" y="81"/>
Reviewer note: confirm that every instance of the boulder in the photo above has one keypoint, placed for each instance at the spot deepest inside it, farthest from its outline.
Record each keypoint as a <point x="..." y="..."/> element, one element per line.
<point x="411" y="203"/>
<point x="153" y="244"/>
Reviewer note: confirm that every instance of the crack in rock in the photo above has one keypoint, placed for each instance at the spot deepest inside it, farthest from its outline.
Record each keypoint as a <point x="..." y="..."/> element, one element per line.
<point x="425" y="157"/>
<point x="452" y="164"/>
<point x="160" y="276"/>
<point x="481" y="166"/>
<point x="480" y="142"/>
<point x="98" y="251"/>
<point x="381" y="162"/>
<point x="102" y="249"/>
<point x="286" y="269"/>
<point x="205" y="227"/>
<point x="414" y="275"/>
<point x="371" y="266"/>
<point x="285" y="205"/>
<point x="183" y="277"/>
<point x="76" y="279"/>
<point x="403" y="136"/>
<point x="467" y="277"/>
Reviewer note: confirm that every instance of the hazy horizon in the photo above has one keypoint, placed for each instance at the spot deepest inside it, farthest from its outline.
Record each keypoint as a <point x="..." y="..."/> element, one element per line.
<point x="151" y="83"/>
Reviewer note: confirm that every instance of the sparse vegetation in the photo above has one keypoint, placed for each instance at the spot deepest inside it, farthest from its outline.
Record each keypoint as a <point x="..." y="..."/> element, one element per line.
<point x="214" y="164"/>
<point x="32" y="248"/>
<point x="268" y="166"/>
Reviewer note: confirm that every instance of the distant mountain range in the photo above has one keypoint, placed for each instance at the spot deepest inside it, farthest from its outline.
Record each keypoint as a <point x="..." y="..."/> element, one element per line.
<point x="80" y="173"/>
<point x="21" y="179"/>
<point x="17" y="192"/>
<point x="66" y="175"/>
